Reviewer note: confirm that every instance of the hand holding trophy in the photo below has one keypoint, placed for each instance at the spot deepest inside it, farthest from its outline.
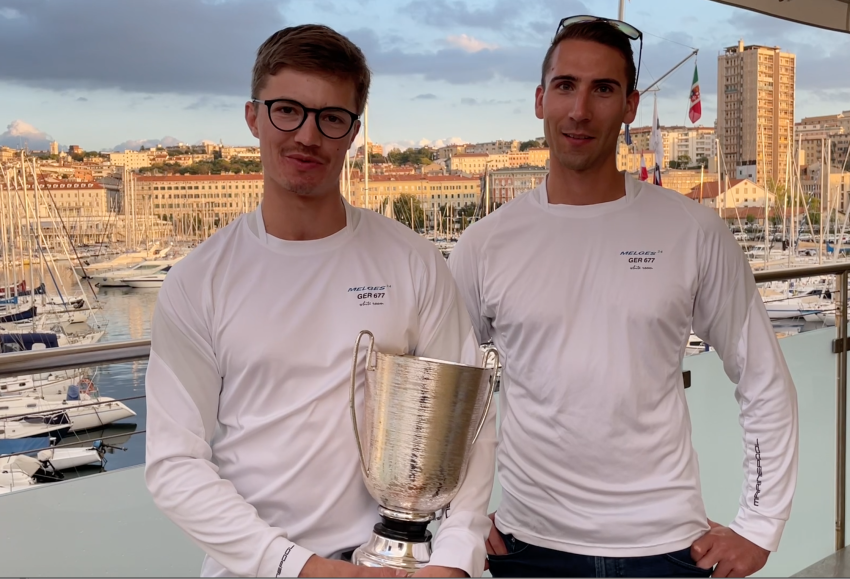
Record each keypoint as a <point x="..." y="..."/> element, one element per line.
<point x="421" y="418"/>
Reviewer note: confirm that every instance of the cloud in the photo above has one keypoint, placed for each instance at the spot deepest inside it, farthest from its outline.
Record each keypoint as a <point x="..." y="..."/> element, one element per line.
<point x="21" y="134"/>
<point x="485" y="102"/>
<point x="425" y="97"/>
<point x="469" y="44"/>
<point x="148" y="143"/>
<point x="117" y="36"/>
<point x="511" y="18"/>
<point x="82" y="100"/>
<point x="445" y="13"/>
<point x="436" y="144"/>
<point x="209" y="103"/>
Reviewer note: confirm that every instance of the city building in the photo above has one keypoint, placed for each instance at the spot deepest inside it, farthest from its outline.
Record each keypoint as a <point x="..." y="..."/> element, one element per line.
<point x="741" y="193"/>
<point x="469" y="163"/>
<point x="432" y="191"/>
<point x="476" y="163"/>
<point x="130" y="159"/>
<point x="374" y="150"/>
<point x="75" y="150"/>
<point x="450" y="151"/>
<point x="494" y="147"/>
<point x="816" y="135"/>
<point x="813" y="179"/>
<point x="628" y="158"/>
<point x="755" y="110"/>
<point x="54" y="148"/>
<point x="683" y="180"/>
<point x="8" y="154"/>
<point x="692" y="145"/>
<point x="505" y="184"/>
<point x="211" y="200"/>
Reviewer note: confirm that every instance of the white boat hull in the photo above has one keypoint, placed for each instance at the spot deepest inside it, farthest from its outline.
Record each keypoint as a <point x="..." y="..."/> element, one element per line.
<point x="84" y="414"/>
<point x="144" y="283"/>
<point x="70" y="458"/>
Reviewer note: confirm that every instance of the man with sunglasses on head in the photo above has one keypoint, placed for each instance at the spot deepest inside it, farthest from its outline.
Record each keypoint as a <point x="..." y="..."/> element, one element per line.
<point x="250" y="446"/>
<point x="589" y="286"/>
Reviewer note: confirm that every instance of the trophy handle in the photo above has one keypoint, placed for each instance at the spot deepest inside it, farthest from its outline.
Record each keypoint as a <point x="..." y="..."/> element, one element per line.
<point x="487" y="354"/>
<point x="351" y="393"/>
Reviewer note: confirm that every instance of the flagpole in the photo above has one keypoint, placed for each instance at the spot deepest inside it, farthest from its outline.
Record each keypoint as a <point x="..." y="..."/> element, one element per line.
<point x="622" y="13"/>
<point x="672" y="70"/>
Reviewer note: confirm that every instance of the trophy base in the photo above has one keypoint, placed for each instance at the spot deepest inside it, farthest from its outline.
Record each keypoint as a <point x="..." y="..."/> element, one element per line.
<point x="401" y="545"/>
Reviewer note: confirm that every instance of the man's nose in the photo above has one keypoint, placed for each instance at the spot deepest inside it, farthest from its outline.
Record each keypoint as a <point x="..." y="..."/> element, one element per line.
<point x="581" y="107"/>
<point x="308" y="134"/>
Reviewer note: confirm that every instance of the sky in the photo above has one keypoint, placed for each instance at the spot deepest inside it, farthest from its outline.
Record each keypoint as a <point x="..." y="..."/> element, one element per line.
<point x="108" y="75"/>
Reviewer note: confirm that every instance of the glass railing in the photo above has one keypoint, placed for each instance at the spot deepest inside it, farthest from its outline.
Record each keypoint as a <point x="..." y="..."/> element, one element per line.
<point x="106" y="524"/>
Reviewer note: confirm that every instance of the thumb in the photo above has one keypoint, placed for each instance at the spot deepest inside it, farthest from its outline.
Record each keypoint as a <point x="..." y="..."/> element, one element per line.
<point x="712" y="524"/>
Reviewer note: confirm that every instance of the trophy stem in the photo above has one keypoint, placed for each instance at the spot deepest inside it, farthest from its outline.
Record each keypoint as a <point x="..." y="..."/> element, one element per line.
<point x="407" y="531"/>
<point x="398" y="544"/>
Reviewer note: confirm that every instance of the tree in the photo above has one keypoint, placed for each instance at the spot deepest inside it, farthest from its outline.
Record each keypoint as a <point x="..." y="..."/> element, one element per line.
<point x="526" y="145"/>
<point x="750" y="219"/>
<point x="410" y="156"/>
<point x="702" y="161"/>
<point x="684" y="161"/>
<point x="405" y="205"/>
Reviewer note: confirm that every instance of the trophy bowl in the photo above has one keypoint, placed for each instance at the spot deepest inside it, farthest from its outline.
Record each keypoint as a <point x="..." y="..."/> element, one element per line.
<point x="421" y="417"/>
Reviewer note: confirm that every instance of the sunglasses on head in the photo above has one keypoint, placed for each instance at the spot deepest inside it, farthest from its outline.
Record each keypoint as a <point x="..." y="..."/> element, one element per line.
<point x="630" y="31"/>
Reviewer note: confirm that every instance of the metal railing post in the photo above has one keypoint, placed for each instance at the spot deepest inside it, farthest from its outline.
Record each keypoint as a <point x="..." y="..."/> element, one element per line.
<point x="841" y="413"/>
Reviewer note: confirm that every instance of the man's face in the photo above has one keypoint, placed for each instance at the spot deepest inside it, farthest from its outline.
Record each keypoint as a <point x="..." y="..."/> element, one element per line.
<point x="584" y="103"/>
<point x="304" y="162"/>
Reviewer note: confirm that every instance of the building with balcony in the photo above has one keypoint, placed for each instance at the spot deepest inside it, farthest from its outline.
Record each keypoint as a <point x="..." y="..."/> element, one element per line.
<point x="755" y="110"/>
<point x="505" y="184"/>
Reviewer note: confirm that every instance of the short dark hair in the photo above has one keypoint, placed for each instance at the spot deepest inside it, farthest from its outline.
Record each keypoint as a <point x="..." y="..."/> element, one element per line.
<point x="312" y="48"/>
<point x="601" y="33"/>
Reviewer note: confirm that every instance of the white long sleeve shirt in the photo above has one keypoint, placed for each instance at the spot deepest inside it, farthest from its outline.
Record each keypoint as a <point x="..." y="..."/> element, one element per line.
<point x="590" y="308"/>
<point x="250" y="446"/>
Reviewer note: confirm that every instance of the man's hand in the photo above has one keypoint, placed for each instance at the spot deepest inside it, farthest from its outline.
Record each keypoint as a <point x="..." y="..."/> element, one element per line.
<point x="733" y="555"/>
<point x="495" y="544"/>
<point x="437" y="571"/>
<point x="320" y="567"/>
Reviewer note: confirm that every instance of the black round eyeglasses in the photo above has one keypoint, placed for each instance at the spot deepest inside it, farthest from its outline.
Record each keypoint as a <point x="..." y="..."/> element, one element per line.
<point x="288" y="115"/>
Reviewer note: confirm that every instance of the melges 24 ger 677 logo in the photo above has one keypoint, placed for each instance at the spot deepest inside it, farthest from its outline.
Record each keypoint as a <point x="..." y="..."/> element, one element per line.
<point x="641" y="259"/>
<point x="370" y="295"/>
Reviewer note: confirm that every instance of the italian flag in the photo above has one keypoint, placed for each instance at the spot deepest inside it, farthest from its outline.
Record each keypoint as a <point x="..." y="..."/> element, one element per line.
<point x="695" y="112"/>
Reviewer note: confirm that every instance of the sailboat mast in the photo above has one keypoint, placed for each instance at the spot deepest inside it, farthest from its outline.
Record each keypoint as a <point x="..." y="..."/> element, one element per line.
<point x="39" y="236"/>
<point x="366" y="154"/>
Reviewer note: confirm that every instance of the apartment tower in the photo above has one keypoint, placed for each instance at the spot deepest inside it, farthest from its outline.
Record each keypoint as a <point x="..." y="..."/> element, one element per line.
<point x="755" y="111"/>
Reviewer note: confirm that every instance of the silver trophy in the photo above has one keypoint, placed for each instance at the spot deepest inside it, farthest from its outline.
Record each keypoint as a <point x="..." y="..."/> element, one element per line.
<point x="421" y="419"/>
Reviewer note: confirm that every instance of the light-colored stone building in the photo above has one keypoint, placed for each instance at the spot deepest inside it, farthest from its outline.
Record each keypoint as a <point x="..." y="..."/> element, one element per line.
<point x="215" y="198"/>
<point x="432" y="191"/>
<point x="130" y="159"/>
<point x="506" y="184"/>
<point x="755" y="109"/>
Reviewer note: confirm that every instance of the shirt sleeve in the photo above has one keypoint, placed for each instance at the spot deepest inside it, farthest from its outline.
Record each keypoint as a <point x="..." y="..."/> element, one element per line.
<point x="464" y="263"/>
<point x="182" y="386"/>
<point x="446" y="334"/>
<point x="729" y="314"/>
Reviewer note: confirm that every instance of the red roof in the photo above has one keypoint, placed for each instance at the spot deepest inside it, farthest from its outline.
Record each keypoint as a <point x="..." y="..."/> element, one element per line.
<point x="191" y="178"/>
<point x="709" y="189"/>
<point x="437" y="178"/>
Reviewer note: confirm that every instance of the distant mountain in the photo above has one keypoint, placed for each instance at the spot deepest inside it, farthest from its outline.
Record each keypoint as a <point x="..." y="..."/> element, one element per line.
<point x="147" y="143"/>
<point x="20" y="134"/>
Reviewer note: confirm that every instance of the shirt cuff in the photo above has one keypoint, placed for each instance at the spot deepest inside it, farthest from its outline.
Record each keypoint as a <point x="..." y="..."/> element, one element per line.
<point x="459" y="548"/>
<point x="763" y="531"/>
<point x="283" y="558"/>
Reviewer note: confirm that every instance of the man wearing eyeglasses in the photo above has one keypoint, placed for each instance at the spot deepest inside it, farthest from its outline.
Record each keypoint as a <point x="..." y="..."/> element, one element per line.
<point x="250" y="446"/>
<point x="589" y="286"/>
